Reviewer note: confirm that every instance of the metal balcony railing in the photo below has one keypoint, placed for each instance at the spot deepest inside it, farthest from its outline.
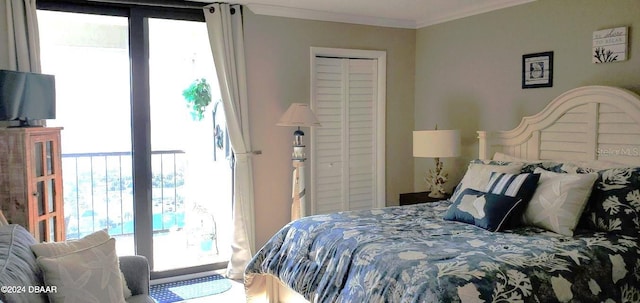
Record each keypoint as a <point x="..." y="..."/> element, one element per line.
<point x="98" y="192"/>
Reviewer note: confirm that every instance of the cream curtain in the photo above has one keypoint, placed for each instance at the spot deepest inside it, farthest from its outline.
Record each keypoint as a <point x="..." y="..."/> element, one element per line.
<point x="22" y="44"/>
<point x="224" y="24"/>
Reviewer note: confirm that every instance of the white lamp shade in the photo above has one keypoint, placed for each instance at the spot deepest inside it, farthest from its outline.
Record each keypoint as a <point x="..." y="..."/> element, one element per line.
<point x="436" y="143"/>
<point x="298" y="114"/>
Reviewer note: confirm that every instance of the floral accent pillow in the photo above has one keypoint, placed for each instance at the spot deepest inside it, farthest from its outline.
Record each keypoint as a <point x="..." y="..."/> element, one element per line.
<point x="614" y="205"/>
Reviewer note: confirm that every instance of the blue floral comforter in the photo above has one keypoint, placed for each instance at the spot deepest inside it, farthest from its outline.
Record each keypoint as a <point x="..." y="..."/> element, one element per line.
<point x="410" y="254"/>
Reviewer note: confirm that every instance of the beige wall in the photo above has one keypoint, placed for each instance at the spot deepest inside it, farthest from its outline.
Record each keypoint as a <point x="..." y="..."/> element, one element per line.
<point x="278" y="67"/>
<point x="468" y="71"/>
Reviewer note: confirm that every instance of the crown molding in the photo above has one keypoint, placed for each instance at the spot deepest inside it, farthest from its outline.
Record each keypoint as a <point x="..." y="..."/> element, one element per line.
<point x="280" y="11"/>
<point x="479" y="8"/>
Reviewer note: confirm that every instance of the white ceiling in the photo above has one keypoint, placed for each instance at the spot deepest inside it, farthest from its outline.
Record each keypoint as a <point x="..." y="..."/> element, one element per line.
<point x="390" y="13"/>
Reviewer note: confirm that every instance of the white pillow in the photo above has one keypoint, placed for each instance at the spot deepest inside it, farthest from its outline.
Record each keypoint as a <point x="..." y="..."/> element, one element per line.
<point x="87" y="275"/>
<point x="53" y="249"/>
<point x="559" y="200"/>
<point x="478" y="175"/>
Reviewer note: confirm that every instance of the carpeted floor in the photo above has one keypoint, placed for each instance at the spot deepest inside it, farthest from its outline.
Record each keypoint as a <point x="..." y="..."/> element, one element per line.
<point x="189" y="289"/>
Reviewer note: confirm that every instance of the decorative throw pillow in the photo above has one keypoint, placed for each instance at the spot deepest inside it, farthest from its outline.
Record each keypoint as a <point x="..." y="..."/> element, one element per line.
<point x="53" y="249"/>
<point x="614" y="205"/>
<point x="87" y="275"/>
<point x="485" y="210"/>
<point x="559" y="201"/>
<point x="514" y="185"/>
<point x="477" y="176"/>
<point x="18" y="266"/>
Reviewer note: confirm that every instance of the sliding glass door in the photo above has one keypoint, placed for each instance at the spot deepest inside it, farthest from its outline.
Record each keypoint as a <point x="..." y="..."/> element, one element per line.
<point x="141" y="157"/>
<point x="185" y="126"/>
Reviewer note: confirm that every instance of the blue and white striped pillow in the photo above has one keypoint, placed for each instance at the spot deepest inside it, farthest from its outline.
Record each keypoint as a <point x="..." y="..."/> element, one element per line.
<point x="514" y="185"/>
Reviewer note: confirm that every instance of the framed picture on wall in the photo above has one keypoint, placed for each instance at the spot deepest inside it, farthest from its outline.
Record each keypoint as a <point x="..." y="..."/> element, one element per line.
<point x="537" y="70"/>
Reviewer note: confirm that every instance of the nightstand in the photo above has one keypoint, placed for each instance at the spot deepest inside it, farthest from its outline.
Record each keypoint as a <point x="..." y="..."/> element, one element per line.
<point x="420" y="197"/>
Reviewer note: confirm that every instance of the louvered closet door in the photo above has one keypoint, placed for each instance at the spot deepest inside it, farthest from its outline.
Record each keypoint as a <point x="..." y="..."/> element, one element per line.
<point x="343" y="158"/>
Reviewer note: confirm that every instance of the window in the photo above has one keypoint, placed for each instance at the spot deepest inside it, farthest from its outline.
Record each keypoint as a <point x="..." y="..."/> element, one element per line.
<point x="137" y="160"/>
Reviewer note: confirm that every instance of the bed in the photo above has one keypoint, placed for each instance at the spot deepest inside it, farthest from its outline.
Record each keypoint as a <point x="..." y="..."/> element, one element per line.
<point x="553" y="217"/>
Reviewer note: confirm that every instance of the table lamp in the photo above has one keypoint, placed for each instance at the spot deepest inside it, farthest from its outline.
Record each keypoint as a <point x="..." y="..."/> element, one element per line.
<point x="436" y="144"/>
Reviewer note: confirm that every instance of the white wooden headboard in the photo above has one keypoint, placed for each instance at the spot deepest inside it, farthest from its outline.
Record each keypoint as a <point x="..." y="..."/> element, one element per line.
<point x="583" y="124"/>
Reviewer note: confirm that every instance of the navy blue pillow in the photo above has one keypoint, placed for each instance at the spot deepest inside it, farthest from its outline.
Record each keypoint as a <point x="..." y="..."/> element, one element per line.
<point x="485" y="210"/>
<point x="614" y="204"/>
<point x="519" y="185"/>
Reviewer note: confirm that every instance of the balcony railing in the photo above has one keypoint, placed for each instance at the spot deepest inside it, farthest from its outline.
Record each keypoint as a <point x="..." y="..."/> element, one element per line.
<point x="98" y="192"/>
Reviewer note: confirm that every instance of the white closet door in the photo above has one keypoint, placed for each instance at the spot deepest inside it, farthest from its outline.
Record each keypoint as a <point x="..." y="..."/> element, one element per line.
<point x="345" y="160"/>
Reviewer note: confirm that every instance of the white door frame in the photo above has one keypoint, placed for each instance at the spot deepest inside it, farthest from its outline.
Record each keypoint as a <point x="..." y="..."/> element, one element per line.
<point x="381" y="57"/>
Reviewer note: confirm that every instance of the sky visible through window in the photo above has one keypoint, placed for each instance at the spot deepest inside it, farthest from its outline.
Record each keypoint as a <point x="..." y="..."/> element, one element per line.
<point x="89" y="55"/>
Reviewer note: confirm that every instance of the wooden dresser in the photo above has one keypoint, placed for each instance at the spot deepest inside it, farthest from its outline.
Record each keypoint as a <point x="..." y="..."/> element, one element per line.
<point x="31" y="180"/>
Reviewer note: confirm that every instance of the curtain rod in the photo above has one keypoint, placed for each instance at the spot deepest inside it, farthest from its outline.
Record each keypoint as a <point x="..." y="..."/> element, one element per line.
<point x="157" y="3"/>
<point x="233" y="10"/>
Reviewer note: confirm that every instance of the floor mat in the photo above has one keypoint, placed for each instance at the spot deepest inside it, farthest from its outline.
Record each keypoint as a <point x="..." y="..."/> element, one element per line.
<point x="189" y="289"/>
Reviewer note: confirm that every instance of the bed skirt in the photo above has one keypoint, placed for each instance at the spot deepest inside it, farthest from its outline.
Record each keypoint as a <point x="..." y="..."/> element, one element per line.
<point x="267" y="288"/>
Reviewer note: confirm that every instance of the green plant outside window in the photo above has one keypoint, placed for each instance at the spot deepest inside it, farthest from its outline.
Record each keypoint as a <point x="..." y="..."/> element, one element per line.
<point x="198" y="97"/>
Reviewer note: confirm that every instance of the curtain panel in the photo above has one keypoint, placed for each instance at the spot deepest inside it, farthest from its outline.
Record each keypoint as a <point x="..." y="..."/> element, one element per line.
<point x="22" y="44"/>
<point x="224" y="25"/>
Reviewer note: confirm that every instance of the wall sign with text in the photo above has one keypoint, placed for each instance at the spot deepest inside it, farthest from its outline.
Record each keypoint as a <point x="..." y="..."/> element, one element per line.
<point x="610" y="45"/>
